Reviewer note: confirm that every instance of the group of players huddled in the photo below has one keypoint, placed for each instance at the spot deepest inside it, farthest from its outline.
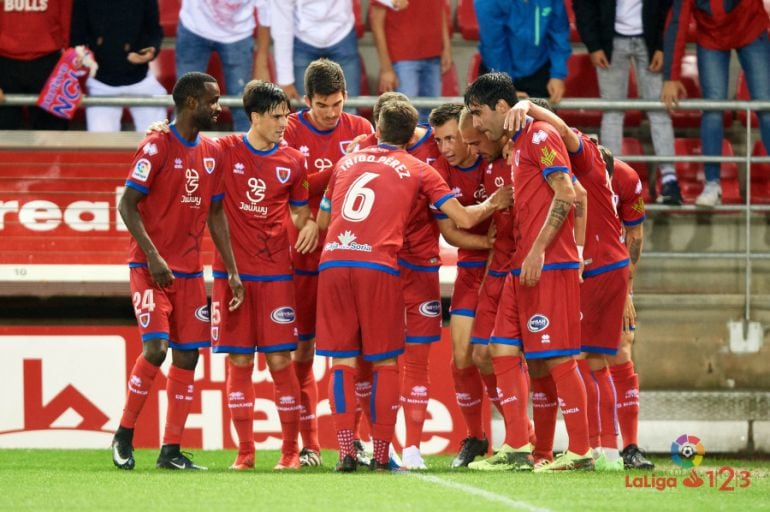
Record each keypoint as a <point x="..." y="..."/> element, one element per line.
<point x="327" y="237"/>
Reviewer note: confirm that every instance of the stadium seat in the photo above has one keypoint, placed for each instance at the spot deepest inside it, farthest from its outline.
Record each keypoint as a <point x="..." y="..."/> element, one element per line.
<point x="632" y="146"/>
<point x="365" y="91"/>
<point x="466" y="20"/>
<point x="581" y="82"/>
<point x="473" y="67"/>
<point x="449" y="83"/>
<point x="574" y="35"/>
<point x="169" y="16"/>
<point x="691" y="177"/>
<point x="760" y="177"/>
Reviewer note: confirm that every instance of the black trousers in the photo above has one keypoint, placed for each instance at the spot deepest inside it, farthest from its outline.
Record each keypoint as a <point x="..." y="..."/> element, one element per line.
<point x="535" y="85"/>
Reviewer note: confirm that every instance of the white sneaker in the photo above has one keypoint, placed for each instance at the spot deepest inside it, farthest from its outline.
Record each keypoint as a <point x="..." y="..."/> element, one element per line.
<point x="412" y="458"/>
<point x="711" y="195"/>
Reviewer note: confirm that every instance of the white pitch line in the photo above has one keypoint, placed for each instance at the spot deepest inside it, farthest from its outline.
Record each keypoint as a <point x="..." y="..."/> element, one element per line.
<point x="488" y="495"/>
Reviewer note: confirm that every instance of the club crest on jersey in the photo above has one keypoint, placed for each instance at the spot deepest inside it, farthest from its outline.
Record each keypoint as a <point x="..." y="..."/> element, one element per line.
<point x="344" y="146"/>
<point x="431" y="308"/>
<point x="202" y="313"/>
<point x="144" y="319"/>
<point x="209" y="164"/>
<point x="215" y="333"/>
<point x="284" y="315"/>
<point x="539" y="137"/>
<point x="537" y="323"/>
<point x="142" y="169"/>
<point x="516" y="157"/>
<point x="283" y="174"/>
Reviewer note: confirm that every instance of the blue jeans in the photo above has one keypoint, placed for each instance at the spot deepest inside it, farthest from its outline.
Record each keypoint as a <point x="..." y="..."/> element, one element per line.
<point x="193" y="53"/>
<point x="419" y="78"/>
<point x="713" y="71"/>
<point x="344" y="53"/>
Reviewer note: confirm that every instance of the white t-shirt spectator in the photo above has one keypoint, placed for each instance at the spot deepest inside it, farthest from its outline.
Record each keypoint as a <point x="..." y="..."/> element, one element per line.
<point x="225" y="21"/>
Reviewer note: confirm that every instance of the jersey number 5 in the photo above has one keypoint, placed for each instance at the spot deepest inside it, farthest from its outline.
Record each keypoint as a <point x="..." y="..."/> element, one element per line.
<point x="359" y="200"/>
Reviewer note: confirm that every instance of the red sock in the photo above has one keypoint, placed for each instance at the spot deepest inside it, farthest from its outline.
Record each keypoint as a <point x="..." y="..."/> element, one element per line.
<point x="342" y="399"/>
<point x="415" y="391"/>
<point x="607" y="409"/>
<point x="308" y="398"/>
<point x="179" y="390"/>
<point x="544" y="408"/>
<point x="240" y="401"/>
<point x="363" y="394"/>
<point x="572" y="399"/>
<point x="592" y="402"/>
<point x="287" y="401"/>
<point x="514" y="394"/>
<point x="384" y="402"/>
<point x="627" y="387"/>
<point x="490" y="383"/>
<point x="469" y="389"/>
<point x="139" y="384"/>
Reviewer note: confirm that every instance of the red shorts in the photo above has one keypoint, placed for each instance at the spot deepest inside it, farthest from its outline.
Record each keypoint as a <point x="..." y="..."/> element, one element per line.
<point x="506" y="327"/>
<point x="602" y="301"/>
<point x="422" y="298"/>
<point x="264" y="323"/>
<point x="465" y="296"/>
<point x="361" y="312"/>
<point x="306" y="296"/>
<point x="179" y="313"/>
<point x="486" y="311"/>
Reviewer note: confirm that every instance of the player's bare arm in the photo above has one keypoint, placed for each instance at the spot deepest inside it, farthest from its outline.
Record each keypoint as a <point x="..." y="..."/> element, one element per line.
<point x="129" y="212"/>
<point x="561" y="205"/>
<point x="581" y="220"/>
<point x="307" y="239"/>
<point x="634" y="243"/>
<point x="220" y="234"/>
<point x="323" y="219"/>
<point x="465" y="217"/>
<point x="461" y="238"/>
<point x="517" y="118"/>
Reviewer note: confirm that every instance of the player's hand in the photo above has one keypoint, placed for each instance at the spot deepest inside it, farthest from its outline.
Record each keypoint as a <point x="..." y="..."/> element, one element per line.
<point x="353" y="146"/>
<point x="388" y="80"/>
<point x="581" y="268"/>
<point x="556" y="90"/>
<point x="307" y="240"/>
<point x="656" y="64"/>
<point x="502" y="198"/>
<point x="161" y="274"/>
<point x="599" y="59"/>
<point x="400" y="4"/>
<point x="531" y="268"/>
<point x="671" y="92"/>
<point x="143" y="56"/>
<point x="236" y="286"/>
<point x="446" y="59"/>
<point x="516" y="118"/>
<point x="291" y="91"/>
<point x="629" y="314"/>
<point x="158" y="127"/>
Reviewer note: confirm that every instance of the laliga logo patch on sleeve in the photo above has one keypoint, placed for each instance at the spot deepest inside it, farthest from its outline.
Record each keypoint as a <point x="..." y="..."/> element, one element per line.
<point x="142" y="170"/>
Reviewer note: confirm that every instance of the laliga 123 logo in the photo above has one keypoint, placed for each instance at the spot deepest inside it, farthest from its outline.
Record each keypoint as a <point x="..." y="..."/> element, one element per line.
<point x="687" y="451"/>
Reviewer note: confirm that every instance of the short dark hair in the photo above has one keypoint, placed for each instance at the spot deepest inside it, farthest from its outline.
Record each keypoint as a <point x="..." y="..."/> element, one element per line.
<point x="324" y="77"/>
<point x="397" y="122"/>
<point x="609" y="159"/>
<point x="191" y="84"/>
<point x="542" y="103"/>
<point x="442" y="114"/>
<point x="261" y="97"/>
<point x="488" y="89"/>
<point x="384" y="98"/>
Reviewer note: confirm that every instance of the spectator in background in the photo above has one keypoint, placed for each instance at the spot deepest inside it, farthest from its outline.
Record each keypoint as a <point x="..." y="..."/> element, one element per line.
<point x="226" y="28"/>
<point x="529" y="40"/>
<point x="124" y="36"/>
<point x="413" y="54"/>
<point x="721" y="27"/>
<point x="31" y="40"/>
<point x="307" y="30"/>
<point x="619" y="34"/>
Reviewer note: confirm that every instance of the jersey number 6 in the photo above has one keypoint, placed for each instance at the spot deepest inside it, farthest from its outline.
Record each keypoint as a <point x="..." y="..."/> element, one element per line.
<point x="359" y="200"/>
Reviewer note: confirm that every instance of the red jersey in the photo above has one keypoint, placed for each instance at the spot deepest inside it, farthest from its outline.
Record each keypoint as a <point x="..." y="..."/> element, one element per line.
<point x="407" y="34"/>
<point x="496" y="175"/>
<point x="370" y="198"/>
<point x="30" y="30"/>
<point x="537" y="152"/>
<point x="604" y="249"/>
<point x="179" y="180"/>
<point x="259" y="187"/>
<point x="467" y="186"/>
<point x="628" y="194"/>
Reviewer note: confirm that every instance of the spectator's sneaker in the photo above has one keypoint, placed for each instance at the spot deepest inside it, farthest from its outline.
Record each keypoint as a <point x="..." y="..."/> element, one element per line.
<point x="711" y="195"/>
<point x="633" y="458"/>
<point x="413" y="459"/>
<point x="670" y="194"/>
<point x="171" y="458"/>
<point x="602" y="464"/>
<point x="470" y="449"/>
<point x="310" y="458"/>
<point x="243" y="462"/>
<point x="568" y="461"/>
<point x="363" y="457"/>
<point x="287" y="461"/>
<point x="347" y="465"/>
<point x="123" y="448"/>
<point x="506" y="459"/>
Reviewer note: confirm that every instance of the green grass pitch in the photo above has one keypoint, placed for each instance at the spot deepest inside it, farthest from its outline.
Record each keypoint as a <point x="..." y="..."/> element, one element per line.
<point x="85" y="480"/>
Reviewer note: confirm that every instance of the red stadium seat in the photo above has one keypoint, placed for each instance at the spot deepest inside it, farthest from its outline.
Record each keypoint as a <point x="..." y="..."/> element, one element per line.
<point x="574" y="35"/>
<point x="632" y="146"/>
<point x="691" y="177"/>
<point x="474" y="67"/>
<point x="581" y="82"/>
<point x="466" y="20"/>
<point x="169" y="16"/>
<point x="760" y="177"/>
<point x="365" y="91"/>
<point x="449" y="83"/>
